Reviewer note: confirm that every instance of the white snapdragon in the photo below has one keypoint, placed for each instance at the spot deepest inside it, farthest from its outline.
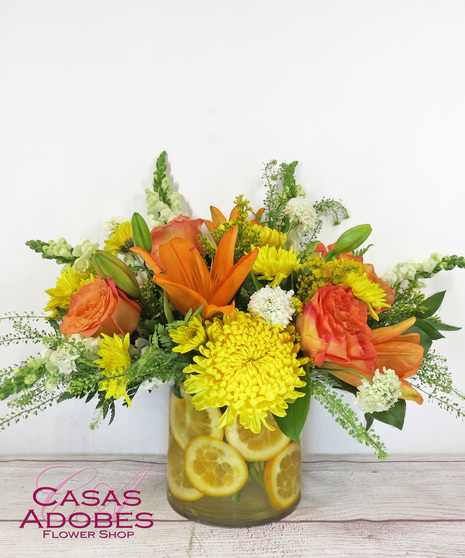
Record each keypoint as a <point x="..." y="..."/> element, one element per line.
<point x="159" y="212"/>
<point x="83" y="252"/>
<point x="302" y="213"/>
<point x="380" y="394"/>
<point x="58" y="248"/>
<point x="272" y="304"/>
<point x="407" y="271"/>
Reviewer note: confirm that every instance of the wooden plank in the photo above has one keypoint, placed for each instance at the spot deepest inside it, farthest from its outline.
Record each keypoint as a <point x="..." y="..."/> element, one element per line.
<point x="350" y="508"/>
<point x="182" y="539"/>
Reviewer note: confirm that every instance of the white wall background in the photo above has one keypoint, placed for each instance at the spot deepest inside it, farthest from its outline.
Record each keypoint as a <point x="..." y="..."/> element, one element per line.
<point x="367" y="94"/>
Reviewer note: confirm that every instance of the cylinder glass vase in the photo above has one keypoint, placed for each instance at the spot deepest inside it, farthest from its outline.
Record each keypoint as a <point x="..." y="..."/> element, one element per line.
<point x="229" y="477"/>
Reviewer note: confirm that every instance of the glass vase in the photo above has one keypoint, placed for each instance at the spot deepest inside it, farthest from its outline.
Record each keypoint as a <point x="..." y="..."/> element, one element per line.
<point x="229" y="477"/>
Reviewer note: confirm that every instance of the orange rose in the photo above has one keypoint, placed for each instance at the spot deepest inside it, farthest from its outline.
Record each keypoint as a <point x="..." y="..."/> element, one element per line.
<point x="179" y="227"/>
<point x="333" y="328"/>
<point x="99" y="307"/>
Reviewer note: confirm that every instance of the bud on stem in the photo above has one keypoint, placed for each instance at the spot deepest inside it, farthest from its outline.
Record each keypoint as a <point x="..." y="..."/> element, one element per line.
<point x="349" y="240"/>
<point x="106" y="265"/>
<point x="141" y="233"/>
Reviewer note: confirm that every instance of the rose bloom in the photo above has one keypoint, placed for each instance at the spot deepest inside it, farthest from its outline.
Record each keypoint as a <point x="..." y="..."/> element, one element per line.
<point x="333" y="329"/>
<point x="180" y="226"/>
<point x="99" y="307"/>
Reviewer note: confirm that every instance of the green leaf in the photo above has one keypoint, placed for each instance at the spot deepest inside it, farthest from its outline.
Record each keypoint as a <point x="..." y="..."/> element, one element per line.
<point x="443" y="327"/>
<point x="428" y="327"/>
<point x="394" y="416"/>
<point x="425" y="339"/>
<point x="293" y="423"/>
<point x="432" y="304"/>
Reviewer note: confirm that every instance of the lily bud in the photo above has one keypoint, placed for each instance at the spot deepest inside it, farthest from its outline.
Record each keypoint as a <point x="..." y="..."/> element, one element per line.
<point x="107" y="265"/>
<point x="349" y="240"/>
<point x="141" y="233"/>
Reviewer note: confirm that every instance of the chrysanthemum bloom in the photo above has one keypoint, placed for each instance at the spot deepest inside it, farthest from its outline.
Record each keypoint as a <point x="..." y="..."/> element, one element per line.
<point x="268" y="236"/>
<point x="275" y="264"/>
<point x="121" y="239"/>
<point x="189" y="337"/>
<point x="366" y="291"/>
<point x="114" y="359"/>
<point x="247" y="366"/>
<point x="67" y="285"/>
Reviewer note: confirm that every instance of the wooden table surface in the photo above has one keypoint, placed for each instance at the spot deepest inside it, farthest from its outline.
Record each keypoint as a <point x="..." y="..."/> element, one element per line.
<point x="351" y="507"/>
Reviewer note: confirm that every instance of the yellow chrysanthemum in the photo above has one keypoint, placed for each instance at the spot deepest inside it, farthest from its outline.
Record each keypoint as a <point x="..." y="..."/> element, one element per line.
<point x="368" y="292"/>
<point x="67" y="285"/>
<point x="268" y="236"/>
<point x="275" y="264"/>
<point x="247" y="366"/>
<point x="121" y="239"/>
<point x="189" y="337"/>
<point x="115" y="359"/>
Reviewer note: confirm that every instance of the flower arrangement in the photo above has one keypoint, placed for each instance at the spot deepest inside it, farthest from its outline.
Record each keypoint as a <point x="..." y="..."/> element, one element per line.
<point x="251" y="313"/>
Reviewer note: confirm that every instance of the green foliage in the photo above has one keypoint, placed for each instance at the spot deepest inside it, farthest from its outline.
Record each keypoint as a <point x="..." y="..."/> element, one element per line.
<point x="395" y="416"/>
<point x="434" y="380"/>
<point x="23" y="330"/>
<point x="293" y="422"/>
<point x="332" y="209"/>
<point x="343" y="414"/>
<point x="281" y="187"/>
<point x="408" y="302"/>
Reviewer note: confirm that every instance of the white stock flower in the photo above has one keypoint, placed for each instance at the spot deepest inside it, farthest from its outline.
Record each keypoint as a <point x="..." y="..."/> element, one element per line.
<point x="62" y="360"/>
<point x="302" y="212"/>
<point x="380" y="394"/>
<point x="273" y="305"/>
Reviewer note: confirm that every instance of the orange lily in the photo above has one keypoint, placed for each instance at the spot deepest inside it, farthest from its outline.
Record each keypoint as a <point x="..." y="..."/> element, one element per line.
<point x="401" y="353"/>
<point x="187" y="280"/>
<point x="218" y="218"/>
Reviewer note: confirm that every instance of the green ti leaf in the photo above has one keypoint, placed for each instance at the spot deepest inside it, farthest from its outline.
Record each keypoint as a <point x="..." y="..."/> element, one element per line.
<point x="293" y="423"/>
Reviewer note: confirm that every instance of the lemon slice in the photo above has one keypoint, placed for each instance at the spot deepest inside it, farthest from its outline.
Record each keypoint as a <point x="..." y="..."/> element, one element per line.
<point x="178" y="483"/>
<point x="187" y="423"/>
<point x="257" y="447"/>
<point x="282" y="477"/>
<point x="213" y="467"/>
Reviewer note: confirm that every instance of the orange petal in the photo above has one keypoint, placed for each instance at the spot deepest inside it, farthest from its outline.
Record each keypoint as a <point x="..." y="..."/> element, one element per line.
<point x="409" y="392"/>
<point x="383" y="334"/>
<point x="234" y="213"/>
<point x="185" y="266"/>
<point x="259" y="214"/>
<point x="182" y="297"/>
<point x="404" y="358"/>
<point x="227" y="288"/>
<point x="224" y="257"/>
<point x="148" y="258"/>
<point x="217" y="216"/>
